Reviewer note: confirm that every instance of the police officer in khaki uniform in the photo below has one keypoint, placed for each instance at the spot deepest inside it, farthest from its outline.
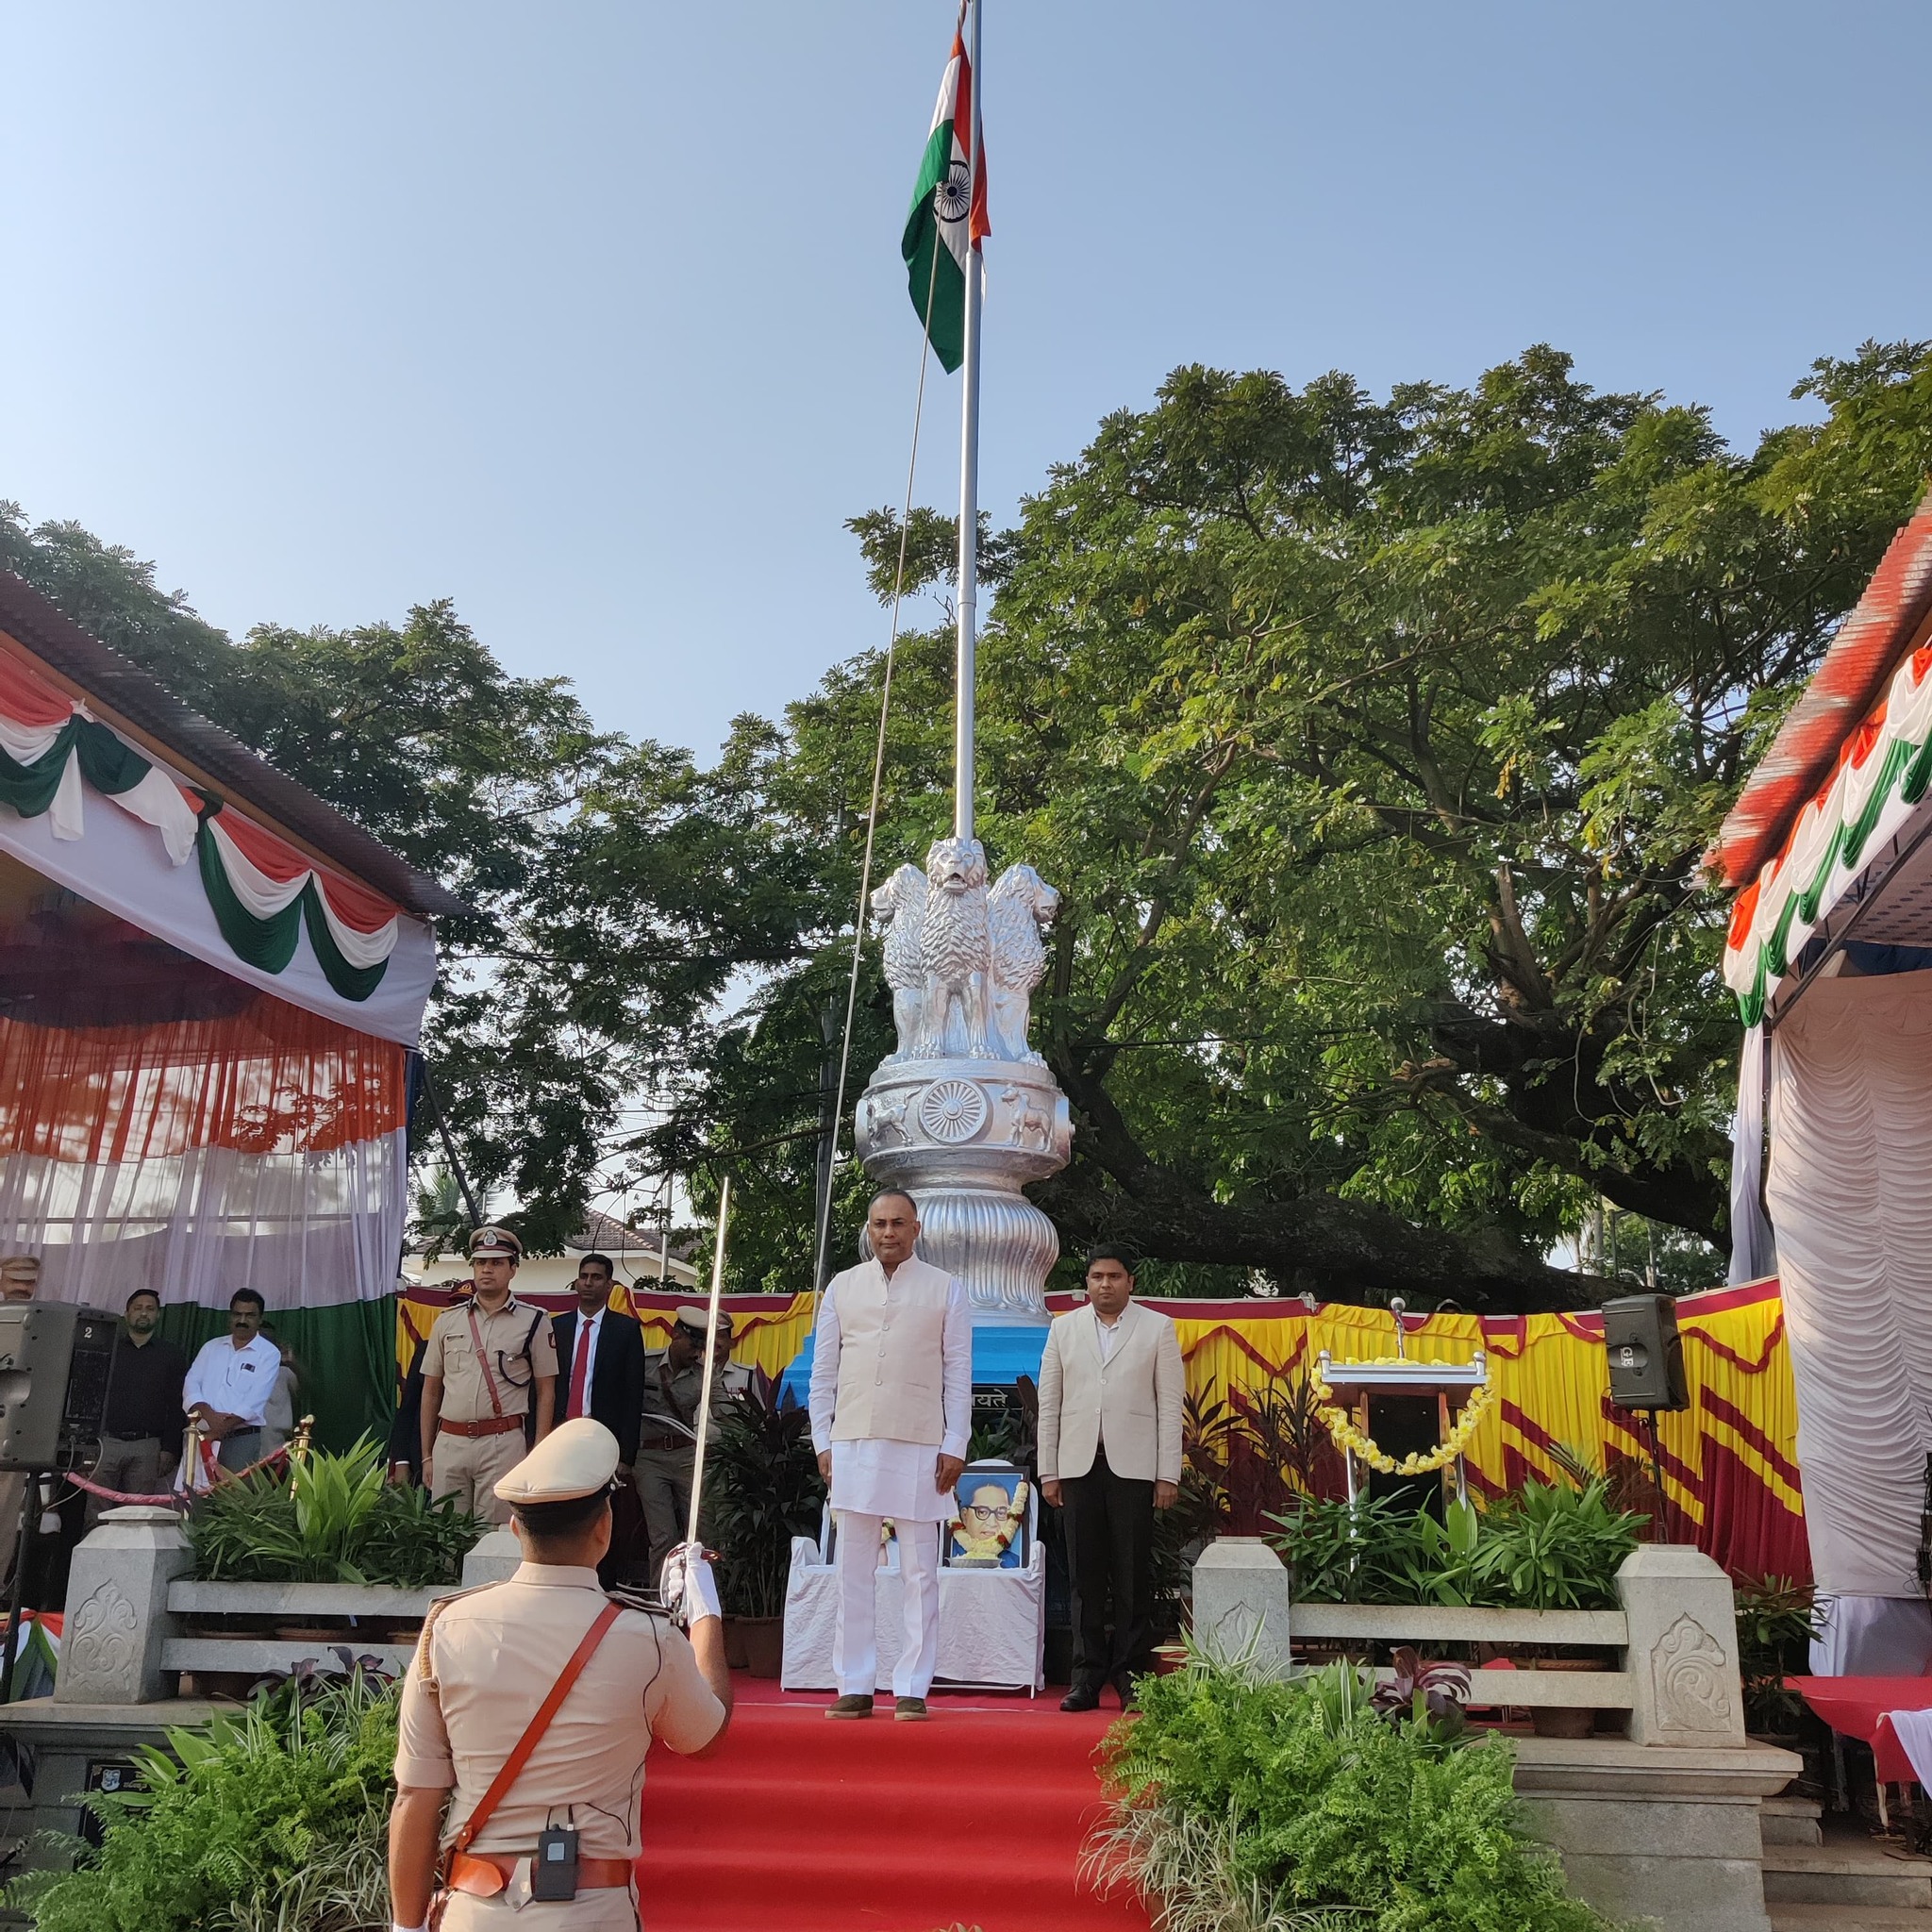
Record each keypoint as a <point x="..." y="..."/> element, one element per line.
<point x="667" y="1438"/>
<point x="490" y="1368"/>
<point x="487" y="1662"/>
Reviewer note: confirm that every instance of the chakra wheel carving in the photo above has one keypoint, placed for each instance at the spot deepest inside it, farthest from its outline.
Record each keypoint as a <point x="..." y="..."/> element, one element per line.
<point x="953" y="1110"/>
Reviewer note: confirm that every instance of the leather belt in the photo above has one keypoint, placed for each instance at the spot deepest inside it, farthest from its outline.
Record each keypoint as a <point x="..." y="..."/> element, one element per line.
<point x="490" y="1426"/>
<point x="665" y="1443"/>
<point x="483" y="1874"/>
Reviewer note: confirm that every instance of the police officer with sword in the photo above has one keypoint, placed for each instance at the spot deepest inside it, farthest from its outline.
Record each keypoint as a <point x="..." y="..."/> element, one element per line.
<point x="530" y="1704"/>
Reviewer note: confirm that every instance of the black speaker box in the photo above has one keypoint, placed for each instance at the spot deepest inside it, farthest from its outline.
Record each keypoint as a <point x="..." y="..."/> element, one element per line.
<point x="1646" y="1354"/>
<point x="54" y="1363"/>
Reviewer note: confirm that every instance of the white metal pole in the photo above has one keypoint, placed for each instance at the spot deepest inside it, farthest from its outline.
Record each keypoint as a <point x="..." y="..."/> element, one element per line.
<point x="969" y="480"/>
<point x="697" y="1462"/>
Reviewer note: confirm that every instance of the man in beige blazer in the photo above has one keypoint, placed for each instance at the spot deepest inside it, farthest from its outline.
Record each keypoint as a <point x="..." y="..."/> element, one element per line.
<point x="1110" y="1390"/>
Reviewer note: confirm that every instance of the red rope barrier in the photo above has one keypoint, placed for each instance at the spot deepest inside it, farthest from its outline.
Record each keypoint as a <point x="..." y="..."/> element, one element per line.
<point x="177" y="1499"/>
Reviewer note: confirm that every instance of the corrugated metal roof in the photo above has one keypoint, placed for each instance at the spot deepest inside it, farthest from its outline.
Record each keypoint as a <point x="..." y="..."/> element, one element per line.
<point x="1867" y="649"/>
<point x="230" y="768"/>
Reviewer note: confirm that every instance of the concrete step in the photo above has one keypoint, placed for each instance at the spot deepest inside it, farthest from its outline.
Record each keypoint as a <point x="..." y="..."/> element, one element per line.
<point x="1847" y="1919"/>
<point x="1791" y="1821"/>
<point x="1846" y="1872"/>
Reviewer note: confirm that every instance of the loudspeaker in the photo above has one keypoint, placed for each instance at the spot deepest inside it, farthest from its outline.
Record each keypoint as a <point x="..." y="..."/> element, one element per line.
<point x="54" y="1363"/>
<point x="1646" y="1354"/>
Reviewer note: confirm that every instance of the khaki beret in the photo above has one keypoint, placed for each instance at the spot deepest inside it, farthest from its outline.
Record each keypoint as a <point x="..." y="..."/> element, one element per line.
<point x="575" y="1459"/>
<point x="693" y="1315"/>
<point x="496" y="1241"/>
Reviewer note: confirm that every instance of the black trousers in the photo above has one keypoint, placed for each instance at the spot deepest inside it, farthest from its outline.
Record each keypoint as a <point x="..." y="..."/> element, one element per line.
<point x="1110" y="1527"/>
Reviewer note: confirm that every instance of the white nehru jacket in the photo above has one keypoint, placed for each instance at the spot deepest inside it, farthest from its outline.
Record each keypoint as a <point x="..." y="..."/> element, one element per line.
<point x="891" y="1386"/>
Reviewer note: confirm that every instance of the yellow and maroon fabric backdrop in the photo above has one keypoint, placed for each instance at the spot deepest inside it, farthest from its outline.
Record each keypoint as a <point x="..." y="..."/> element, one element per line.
<point x="1729" y="1460"/>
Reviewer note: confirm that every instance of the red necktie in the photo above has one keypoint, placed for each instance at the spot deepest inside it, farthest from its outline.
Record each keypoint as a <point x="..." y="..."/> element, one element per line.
<point x="575" y="1406"/>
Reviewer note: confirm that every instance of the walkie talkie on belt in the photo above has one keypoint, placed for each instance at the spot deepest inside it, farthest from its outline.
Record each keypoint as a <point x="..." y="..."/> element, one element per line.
<point x="553" y="1870"/>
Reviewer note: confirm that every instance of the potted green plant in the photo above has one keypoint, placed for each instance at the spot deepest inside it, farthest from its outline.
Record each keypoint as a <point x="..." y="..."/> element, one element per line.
<point x="764" y="1489"/>
<point x="1777" y="1622"/>
<point x="1553" y="1546"/>
<point x="331" y="1519"/>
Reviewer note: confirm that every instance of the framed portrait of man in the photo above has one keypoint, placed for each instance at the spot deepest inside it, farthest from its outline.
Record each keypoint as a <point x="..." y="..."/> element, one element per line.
<point x="993" y="1524"/>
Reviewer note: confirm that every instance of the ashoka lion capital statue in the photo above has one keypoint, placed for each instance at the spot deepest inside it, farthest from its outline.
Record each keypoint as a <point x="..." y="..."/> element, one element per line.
<point x="965" y="1111"/>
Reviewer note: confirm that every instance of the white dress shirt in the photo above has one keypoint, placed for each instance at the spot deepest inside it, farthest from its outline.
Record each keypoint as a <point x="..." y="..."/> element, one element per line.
<point x="1110" y="1334"/>
<point x="568" y="1371"/>
<point x="234" y="1381"/>
<point x="875" y="1475"/>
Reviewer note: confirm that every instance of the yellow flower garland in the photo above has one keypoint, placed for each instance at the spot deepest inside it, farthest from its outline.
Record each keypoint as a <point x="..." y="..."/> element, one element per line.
<point x="1349" y="1439"/>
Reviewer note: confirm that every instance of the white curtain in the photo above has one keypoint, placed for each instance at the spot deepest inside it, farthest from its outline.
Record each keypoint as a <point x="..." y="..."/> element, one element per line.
<point x="1850" y="1192"/>
<point x="307" y="1229"/>
<point x="1754" y="1256"/>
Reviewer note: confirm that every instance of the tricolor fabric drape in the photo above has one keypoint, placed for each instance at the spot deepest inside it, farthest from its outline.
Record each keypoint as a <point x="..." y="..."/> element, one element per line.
<point x="1884" y="772"/>
<point x="1851" y="1147"/>
<point x="246" y="904"/>
<point x="261" y="1148"/>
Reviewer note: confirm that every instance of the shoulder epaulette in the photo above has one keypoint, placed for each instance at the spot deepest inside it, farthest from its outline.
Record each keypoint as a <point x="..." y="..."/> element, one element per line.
<point x="435" y="1610"/>
<point x="639" y="1600"/>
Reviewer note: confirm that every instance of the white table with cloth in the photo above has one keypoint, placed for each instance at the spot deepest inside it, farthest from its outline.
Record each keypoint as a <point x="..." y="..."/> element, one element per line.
<point x="992" y="1623"/>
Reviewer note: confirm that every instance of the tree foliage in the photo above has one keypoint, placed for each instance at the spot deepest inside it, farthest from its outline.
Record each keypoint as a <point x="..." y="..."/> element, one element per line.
<point x="1373" y="743"/>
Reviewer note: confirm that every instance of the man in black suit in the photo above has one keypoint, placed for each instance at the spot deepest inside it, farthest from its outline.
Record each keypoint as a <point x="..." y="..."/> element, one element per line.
<point x="600" y="1360"/>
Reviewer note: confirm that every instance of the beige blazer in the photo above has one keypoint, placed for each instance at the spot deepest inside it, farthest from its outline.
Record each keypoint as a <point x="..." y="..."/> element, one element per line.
<point x="1132" y="1401"/>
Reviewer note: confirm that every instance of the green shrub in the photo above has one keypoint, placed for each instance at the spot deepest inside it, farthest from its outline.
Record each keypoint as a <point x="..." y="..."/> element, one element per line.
<point x="765" y="1489"/>
<point x="1246" y="1805"/>
<point x="1777" y="1622"/>
<point x="1549" y="1546"/>
<point x="271" y="1820"/>
<point x="332" y="1519"/>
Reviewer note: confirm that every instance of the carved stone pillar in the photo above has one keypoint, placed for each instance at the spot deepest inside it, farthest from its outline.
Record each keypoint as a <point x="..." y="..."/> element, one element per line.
<point x="1241" y="1605"/>
<point x="1683" y="1650"/>
<point x="117" y="1607"/>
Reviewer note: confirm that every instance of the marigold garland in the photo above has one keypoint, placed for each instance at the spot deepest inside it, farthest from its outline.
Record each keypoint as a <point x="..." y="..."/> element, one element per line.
<point x="1350" y="1439"/>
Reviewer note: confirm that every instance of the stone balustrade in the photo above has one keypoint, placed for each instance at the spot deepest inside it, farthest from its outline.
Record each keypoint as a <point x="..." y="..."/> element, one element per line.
<point x="1659" y="1825"/>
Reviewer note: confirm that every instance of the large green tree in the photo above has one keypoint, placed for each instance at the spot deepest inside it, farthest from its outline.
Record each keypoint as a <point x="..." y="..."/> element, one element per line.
<point x="1375" y="744"/>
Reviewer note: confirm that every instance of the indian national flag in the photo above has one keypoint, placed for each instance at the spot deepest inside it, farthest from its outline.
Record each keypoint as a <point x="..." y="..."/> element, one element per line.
<point x="935" y="243"/>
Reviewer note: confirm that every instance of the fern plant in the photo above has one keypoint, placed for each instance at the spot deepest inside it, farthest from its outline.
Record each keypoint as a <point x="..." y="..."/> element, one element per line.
<point x="1262" y="1805"/>
<point x="267" y="1820"/>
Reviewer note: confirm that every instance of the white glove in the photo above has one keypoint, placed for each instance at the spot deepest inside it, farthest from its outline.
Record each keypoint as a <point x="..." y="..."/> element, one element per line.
<point x="688" y="1586"/>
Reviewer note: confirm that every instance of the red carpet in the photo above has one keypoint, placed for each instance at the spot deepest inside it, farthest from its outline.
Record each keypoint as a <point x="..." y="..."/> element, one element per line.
<point x="799" y="1825"/>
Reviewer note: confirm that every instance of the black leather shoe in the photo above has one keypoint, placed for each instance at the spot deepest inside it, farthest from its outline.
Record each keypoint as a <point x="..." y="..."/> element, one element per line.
<point x="1082" y="1697"/>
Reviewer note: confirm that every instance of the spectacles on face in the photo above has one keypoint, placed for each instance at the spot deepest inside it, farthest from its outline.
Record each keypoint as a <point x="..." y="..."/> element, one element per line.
<point x="985" y="1512"/>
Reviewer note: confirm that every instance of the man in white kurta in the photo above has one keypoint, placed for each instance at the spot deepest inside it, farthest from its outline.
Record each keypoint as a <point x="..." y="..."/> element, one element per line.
<point x="892" y="1408"/>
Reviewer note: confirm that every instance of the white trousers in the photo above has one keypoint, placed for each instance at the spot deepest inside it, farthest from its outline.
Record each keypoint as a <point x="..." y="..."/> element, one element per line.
<point x="855" y="1640"/>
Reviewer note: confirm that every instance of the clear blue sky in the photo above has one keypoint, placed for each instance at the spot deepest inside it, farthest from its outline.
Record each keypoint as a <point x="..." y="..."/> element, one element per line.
<point x="590" y="316"/>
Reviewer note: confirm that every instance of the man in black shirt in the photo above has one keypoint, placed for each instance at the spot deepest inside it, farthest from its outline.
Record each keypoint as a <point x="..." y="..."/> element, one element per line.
<point x="141" y="1435"/>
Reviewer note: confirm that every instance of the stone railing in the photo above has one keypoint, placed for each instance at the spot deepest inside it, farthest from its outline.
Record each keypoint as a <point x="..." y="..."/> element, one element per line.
<point x="1660" y="1825"/>
<point x="128" y="1593"/>
<point x="1674" y="1636"/>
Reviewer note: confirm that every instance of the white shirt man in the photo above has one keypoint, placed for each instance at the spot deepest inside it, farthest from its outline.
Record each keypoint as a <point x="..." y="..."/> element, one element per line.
<point x="892" y="1408"/>
<point x="231" y="1381"/>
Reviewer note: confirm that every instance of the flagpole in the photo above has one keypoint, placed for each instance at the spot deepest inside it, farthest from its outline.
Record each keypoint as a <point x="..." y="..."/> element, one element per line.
<point x="969" y="479"/>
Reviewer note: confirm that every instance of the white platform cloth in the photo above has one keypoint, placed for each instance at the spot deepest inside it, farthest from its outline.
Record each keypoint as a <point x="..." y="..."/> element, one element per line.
<point x="992" y="1623"/>
<point x="1913" y="1729"/>
<point x="1850" y="1193"/>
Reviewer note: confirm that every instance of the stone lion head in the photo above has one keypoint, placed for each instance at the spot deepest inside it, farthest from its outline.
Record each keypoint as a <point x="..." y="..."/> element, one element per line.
<point x="956" y="865"/>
